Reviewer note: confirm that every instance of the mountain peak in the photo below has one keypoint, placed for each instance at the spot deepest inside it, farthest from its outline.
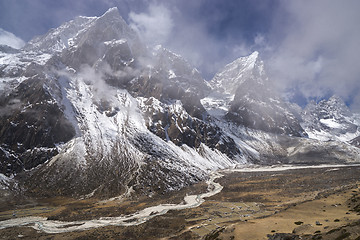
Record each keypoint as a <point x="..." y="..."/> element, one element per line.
<point x="236" y="72"/>
<point x="254" y="55"/>
<point x="113" y="10"/>
<point x="336" y="100"/>
<point x="335" y="103"/>
<point x="330" y="119"/>
<point x="112" y="14"/>
<point x="246" y="62"/>
<point x="92" y="30"/>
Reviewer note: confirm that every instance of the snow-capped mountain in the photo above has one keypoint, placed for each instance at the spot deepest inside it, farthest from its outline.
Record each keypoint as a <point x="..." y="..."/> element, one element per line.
<point x="88" y="109"/>
<point x="330" y="120"/>
<point x="253" y="102"/>
<point x="95" y="102"/>
<point x="89" y="32"/>
<point x="236" y="73"/>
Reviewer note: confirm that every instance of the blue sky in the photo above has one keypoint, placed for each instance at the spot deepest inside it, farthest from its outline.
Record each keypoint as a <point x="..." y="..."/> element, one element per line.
<point x="311" y="48"/>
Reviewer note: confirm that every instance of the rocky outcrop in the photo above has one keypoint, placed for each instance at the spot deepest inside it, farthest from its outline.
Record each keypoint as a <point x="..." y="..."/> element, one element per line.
<point x="355" y="142"/>
<point x="32" y="124"/>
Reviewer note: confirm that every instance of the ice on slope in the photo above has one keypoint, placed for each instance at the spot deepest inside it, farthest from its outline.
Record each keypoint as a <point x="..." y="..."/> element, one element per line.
<point x="115" y="42"/>
<point x="323" y="135"/>
<point x="331" y="123"/>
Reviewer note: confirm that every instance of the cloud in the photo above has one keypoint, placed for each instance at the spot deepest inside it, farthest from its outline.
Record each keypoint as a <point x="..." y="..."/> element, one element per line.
<point x="155" y="26"/>
<point x="310" y="46"/>
<point x="185" y="28"/>
<point x="241" y="50"/>
<point x="195" y="44"/>
<point x="203" y="31"/>
<point x="316" y="48"/>
<point x="355" y="105"/>
<point x="7" y="38"/>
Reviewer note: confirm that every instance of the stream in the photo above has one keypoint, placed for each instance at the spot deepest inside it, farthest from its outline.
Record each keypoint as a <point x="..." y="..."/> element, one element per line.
<point x="51" y="226"/>
<point x="190" y="201"/>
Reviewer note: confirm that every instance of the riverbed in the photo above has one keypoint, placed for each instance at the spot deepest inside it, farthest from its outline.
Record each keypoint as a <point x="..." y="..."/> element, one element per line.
<point x="140" y="217"/>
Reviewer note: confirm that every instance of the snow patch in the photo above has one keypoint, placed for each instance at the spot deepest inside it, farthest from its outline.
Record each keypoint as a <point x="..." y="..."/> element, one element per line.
<point x="331" y="123"/>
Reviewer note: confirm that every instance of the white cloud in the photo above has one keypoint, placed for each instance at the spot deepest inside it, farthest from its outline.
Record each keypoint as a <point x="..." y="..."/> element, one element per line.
<point x="355" y="106"/>
<point x="318" y="47"/>
<point x="241" y="50"/>
<point x="7" y="38"/>
<point x="259" y="39"/>
<point x="155" y="26"/>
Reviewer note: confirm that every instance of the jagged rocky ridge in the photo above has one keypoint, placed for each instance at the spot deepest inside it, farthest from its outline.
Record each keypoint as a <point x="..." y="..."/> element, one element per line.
<point x="89" y="109"/>
<point x="330" y="120"/>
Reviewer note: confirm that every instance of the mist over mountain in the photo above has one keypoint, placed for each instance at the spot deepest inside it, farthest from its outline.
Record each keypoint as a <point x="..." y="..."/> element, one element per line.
<point x="91" y="109"/>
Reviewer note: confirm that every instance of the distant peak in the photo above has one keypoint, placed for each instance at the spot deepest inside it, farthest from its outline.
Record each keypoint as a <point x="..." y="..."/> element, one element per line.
<point x="246" y="61"/>
<point x="336" y="99"/>
<point x="255" y="54"/>
<point x="157" y="47"/>
<point x="111" y="12"/>
<point x="253" y="57"/>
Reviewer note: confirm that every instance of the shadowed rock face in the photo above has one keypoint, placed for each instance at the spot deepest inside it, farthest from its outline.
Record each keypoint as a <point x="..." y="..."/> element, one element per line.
<point x="31" y="124"/>
<point x="256" y="108"/>
<point x="8" y="49"/>
<point x="256" y="105"/>
<point x="181" y="126"/>
<point x="356" y="142"/>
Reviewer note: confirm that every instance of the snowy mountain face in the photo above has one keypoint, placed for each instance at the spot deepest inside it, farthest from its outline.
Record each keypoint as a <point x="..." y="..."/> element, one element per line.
<point x="91" y="99"/>
<point x="330" y="120"/>
<point x="89" y="110"/>
<point x="254" y="103"/>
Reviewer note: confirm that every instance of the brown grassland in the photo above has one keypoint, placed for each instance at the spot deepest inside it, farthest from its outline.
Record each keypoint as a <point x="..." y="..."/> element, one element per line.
<point x="294" y="204"/>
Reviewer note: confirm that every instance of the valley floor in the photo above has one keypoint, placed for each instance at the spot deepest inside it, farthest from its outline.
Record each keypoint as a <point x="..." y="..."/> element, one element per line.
<point x="311" y="203"/>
